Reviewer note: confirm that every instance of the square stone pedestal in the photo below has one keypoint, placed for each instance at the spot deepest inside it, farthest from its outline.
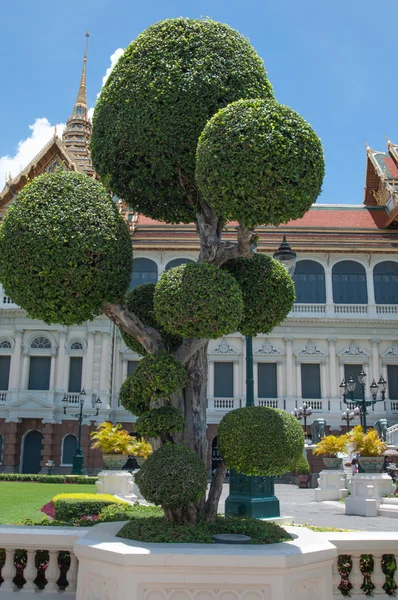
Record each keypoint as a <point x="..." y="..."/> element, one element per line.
<point x="331" y="485"/>
<point x="367" y="491"/>
<point x="118" y="483"/>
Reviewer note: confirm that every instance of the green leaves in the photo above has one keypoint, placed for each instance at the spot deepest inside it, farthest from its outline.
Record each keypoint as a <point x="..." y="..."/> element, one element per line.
<point x="159" y="422"/>
<point x="259" y="162"/>
<point x="267" y="289"/>
<point x="153" y="107"/>
<point x="64" y="249"/>
<point x="258" y="440"/>
<point x="198" y="300"/>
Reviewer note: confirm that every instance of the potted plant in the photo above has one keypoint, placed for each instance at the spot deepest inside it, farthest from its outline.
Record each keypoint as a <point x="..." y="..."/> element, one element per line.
<point x="329" y="447"/>
<point x="303" y="472"/>
<point x="370" y="448"/>
<point x="114" y="442"/>
<point x="141" y="450"/>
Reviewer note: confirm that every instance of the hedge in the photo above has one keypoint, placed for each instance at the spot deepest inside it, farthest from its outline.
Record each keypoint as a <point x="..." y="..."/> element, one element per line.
<point x="69" y="507"/>
<point x="79" y="479"/>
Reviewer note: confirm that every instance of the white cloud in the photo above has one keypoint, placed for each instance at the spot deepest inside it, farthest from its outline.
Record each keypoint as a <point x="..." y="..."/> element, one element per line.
<point x="27" y="149"/>
<point x="41" y="132"/>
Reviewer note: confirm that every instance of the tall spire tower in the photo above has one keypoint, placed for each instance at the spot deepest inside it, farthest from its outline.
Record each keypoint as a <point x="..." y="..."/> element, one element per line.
<point x="77" y="133"/>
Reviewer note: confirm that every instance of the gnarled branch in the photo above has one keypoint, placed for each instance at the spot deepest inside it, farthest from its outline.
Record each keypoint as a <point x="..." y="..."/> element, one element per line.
<point x="149" y="337"/>
<point x="188" y="348"/>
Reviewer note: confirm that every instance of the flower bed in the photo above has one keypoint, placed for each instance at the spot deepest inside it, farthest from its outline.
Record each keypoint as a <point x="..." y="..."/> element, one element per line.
<point x="69" y="507"/>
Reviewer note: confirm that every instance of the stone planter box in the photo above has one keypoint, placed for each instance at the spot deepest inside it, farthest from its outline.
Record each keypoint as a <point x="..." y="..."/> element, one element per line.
<point x="331" y="486"/>
<point x="115" y="462"/>
<point x="367" y="491"/>
<point x="371" y="464"/>
<point x="116" y="569"/>
<point x="332" y="462"/>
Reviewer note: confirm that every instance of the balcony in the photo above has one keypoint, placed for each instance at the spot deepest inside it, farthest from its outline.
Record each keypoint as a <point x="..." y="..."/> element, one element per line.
<point x="344" y="311"/>
<point x="5" y="301"/>
<point x="3" y="397"/>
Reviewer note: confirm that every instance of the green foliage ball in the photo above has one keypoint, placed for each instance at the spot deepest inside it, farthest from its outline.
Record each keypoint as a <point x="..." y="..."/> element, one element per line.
<point x="64" y="249"/>
<point x="140" y="302"/>
<point x="198" y="300"/>
<point x="173" y="477"/>
<point x="302" y="466"/>
<point x="159" y="422"/>
<point x="155" y="103"/>
<point x="257" y="440"/>
<point x="268" y="292"/>
<point x="259" y="162"/>
<point x="156" y="376"/>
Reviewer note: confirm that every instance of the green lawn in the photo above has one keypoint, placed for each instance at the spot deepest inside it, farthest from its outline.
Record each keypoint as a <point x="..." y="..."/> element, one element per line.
<point x="24" y="500"/>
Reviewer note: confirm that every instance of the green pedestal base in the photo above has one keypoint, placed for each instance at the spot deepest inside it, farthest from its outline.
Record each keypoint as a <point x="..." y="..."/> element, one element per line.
<point x="78" y="465"/>
<point x="251" y="497"/>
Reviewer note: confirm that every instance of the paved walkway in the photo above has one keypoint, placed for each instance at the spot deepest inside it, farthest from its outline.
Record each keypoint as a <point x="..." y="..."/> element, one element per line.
<point x="299" y="504"/>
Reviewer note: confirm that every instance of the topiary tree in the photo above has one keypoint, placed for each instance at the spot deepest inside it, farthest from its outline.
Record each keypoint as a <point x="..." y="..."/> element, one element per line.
<point x="140" y="302"/>
<point x="174" y="477"/>
<point x="160" y="422"/>
<point x="258" y="440"/>
<point x="267" y="289"/>
<point x="65" y="253"/>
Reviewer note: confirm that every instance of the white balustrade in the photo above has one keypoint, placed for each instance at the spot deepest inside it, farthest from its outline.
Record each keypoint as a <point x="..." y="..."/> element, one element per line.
<point x="73" y="398"/>
<point x="267" y="402"/>
<point x="316" y="405"/>
<point x="223" y="403"/>
<point x="351" y="309"/>
<point x="308" y="309"/>
<point x="3" y="396"/>
<point x="387" y="309"/>
<point x="21" y="546"/>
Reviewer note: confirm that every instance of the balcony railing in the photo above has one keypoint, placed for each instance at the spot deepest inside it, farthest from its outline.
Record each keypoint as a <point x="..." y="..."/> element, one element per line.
<point x="308" y="309"/>
<point x="3" y="397"/>
<point x="267" y="402"/>
<point x="378" y="311"/>
<point x="39" y="560"/>
<point x="223" y="404"/>
<point x="73" y="398"/>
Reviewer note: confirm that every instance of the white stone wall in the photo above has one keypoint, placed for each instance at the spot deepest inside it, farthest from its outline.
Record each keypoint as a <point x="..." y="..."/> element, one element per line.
<point x="312" y="333"/>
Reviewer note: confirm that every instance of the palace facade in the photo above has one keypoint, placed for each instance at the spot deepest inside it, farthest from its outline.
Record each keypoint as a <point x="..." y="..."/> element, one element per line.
<point x="345" y="318"/>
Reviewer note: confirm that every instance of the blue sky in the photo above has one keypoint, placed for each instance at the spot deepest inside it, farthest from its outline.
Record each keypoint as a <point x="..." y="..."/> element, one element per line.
<point x="333" y="62"/>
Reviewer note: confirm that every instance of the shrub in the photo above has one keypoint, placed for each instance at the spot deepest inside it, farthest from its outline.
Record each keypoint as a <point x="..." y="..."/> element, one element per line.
<point x="331" y="445"/>
<point x="117" y="513"/>
<point x="140" y="302"/>
<point x="302" y="466"/>
<point x="69" y="507"/>
<point x="112" y="439"/>
<point x="258" y="440"/>
<point x="156" y="376"/>
<point x="152" y="109"/>
<point x="158" y="530"/>
<point x="173" y="477"/>
<point x="267" y="289"/>
<point x="79" y="479"/>
<point x="366" y="444"/>
<point x="259" y="162"/>
<point x="198" y="300"/>
<point x="141" y="449"/>
<point x="159" y="422"/>
<point x="64" y="249"/>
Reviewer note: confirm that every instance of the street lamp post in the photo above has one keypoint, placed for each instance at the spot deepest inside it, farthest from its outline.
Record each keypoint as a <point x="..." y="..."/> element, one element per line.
<point x="350" y="415"/>
<point x="347" y="390"/>
<point x="303" y="412"/>
<point x="78" y="459"/>
<point x="253" y="496"/>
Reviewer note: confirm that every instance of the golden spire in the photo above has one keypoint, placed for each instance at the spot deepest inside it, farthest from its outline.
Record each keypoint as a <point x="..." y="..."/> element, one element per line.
<point x="81" y="96"/>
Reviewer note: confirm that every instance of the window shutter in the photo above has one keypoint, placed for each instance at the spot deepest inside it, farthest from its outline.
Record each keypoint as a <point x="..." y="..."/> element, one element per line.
<point x="39" y="373"/>
<point x="131" y="366"/>
<point x="223" y="380"/>
<point x="354" y="370"/>
<point x="75" y="374"/>
<point x="267" y="386"/>
<point x="4" y="372"/>
<point x="392" y="376"/>
<point x="310" y="381"/>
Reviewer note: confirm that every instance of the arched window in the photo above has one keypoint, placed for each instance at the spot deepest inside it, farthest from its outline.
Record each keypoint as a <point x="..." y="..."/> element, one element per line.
<point x="76" y="346"/>
<point x="144" y="271"/>
<point x="385" y="278"/>
<point x="41" y="343"/>
<point x="177" y="262"/>
<point x="309" y="280"/>
<point x="5" y="344"/>
<point x="349" y="283"/>
<point x="69" y="446"/>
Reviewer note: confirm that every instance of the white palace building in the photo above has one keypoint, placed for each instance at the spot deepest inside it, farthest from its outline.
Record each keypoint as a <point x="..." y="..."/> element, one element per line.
<point x="345" y="318"/>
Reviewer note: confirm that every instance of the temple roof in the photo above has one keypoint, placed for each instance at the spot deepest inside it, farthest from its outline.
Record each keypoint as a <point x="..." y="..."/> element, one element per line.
<point x="381" y="187"/>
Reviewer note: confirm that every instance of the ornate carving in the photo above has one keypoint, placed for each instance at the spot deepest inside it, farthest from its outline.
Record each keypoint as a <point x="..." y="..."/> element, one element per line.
<point x="210" y="592"/>
<point x="311" y="350"/>
<point x="393" y="351"/>
<point x="223" y="348"/>
<point x="353" y="350"/>
<point x="308" y="590"/>
<point x="267" y="349"/>
<point x="99" y="587"/>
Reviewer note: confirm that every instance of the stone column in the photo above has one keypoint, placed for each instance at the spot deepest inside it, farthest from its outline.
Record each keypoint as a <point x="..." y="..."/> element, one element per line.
<point x="324" y="387"/>
<point x="376" y="371"/>
<point x="52" y="370"/>
<point x="255" y="376"/>
<point x="15" y="379"/>
<point x="104" y="375"/>
<point x="210" y="384"/>
<point x="25" y="369"/>
<point x="298" y="380"/>
<point x="329" y="292"/>
<point x="88" y="381"/>
<point x="371" y="293"/>
<point x="333" y="383"/>
<point x="61" y="364"/>
<point x="236" y="387"/>
<point x="289" y="373"/>
<point x="279" y="380"/>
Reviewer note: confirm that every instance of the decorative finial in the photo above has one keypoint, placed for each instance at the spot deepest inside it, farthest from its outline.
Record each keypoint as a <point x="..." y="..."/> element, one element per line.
<point x="81" y="96"/>
<point x="55" y="131"/>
